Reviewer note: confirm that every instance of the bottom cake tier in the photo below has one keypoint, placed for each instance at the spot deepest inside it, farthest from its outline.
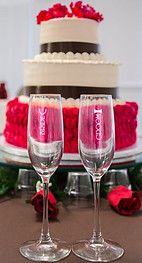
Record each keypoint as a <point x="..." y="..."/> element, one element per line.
<point x="125" y="114"/>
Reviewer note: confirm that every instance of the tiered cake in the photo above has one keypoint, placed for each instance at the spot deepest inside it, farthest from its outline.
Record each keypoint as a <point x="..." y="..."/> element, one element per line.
<point x="70" y="63"/>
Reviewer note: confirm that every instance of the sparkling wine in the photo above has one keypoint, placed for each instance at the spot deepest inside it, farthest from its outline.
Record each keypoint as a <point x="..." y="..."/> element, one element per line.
<point x="45" y="157"/>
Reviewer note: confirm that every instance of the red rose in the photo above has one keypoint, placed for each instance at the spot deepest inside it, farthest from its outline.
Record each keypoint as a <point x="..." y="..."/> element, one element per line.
<point x="42" y="16"/>
<point x="124" y="201"/>
<point x="59" y="10"/>
<point x="74" y="146"/>
<point x="37" y="202"/>
<point x="55" y="11"/>
<point x="85" y="10"/>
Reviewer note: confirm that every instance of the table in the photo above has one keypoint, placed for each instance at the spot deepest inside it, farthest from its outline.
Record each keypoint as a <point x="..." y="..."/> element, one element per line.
<point x="18" y="223"/>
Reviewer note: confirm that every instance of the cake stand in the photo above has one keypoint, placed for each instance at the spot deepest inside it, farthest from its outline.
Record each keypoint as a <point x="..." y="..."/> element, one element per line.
<point x="17" y="158"/>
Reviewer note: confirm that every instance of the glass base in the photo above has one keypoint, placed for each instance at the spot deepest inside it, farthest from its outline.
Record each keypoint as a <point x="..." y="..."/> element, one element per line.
<point x="107" y="251"/>
<point x="38" y="251"/>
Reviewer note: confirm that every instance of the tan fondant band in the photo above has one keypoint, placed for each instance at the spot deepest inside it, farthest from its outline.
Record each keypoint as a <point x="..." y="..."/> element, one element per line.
<point x="69" y="29"/>
<point x="70" y="74"/>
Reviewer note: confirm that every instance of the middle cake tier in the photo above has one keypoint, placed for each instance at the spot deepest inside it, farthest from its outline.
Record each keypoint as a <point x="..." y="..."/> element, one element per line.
<point x="70" y="74"/>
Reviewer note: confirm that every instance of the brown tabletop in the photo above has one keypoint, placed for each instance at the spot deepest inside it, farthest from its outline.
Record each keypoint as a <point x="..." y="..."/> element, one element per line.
<point x="19" y="223"/>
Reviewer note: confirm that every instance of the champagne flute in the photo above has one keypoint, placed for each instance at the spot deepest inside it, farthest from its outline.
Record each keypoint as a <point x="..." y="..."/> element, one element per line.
<point x="45" y="147"/>
<point x="96" y="138"/>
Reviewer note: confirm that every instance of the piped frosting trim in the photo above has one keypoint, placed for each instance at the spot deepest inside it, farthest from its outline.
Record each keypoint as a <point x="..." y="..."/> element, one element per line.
<point x="70" y="57"/>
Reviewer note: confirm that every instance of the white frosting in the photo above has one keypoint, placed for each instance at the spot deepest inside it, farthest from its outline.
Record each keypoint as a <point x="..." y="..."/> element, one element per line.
<point x="23" y="99"/>
<point x="70" y="102"/>
<point x="39" y="99"/>
<point x="59" y="69"/>
<point x="118" y="102"/>
<point x="69" y="29"/>
<point x="70" y="57"/>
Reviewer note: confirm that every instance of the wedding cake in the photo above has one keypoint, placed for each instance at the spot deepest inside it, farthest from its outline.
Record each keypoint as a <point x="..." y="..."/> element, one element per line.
<point x="70" y="64"/>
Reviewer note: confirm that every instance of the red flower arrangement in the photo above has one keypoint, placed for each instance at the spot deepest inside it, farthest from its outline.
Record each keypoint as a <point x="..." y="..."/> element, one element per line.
<point x="77" y="9"/>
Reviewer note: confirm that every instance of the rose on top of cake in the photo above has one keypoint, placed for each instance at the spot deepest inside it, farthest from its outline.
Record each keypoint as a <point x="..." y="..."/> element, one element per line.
<point x="125" y="114"/>
<point x="77" y="9"/>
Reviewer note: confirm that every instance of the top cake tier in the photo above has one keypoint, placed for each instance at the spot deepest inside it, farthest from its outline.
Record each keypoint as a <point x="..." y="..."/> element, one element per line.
<point x="69" y="34"/>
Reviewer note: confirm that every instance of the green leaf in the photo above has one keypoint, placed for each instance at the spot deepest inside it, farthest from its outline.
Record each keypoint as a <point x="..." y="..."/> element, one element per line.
<point x="8" y="179"/>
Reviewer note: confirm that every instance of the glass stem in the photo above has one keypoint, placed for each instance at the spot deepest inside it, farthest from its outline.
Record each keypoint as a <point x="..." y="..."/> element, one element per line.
<point x="45" y="236"/>
<point x="97" y="236"/>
